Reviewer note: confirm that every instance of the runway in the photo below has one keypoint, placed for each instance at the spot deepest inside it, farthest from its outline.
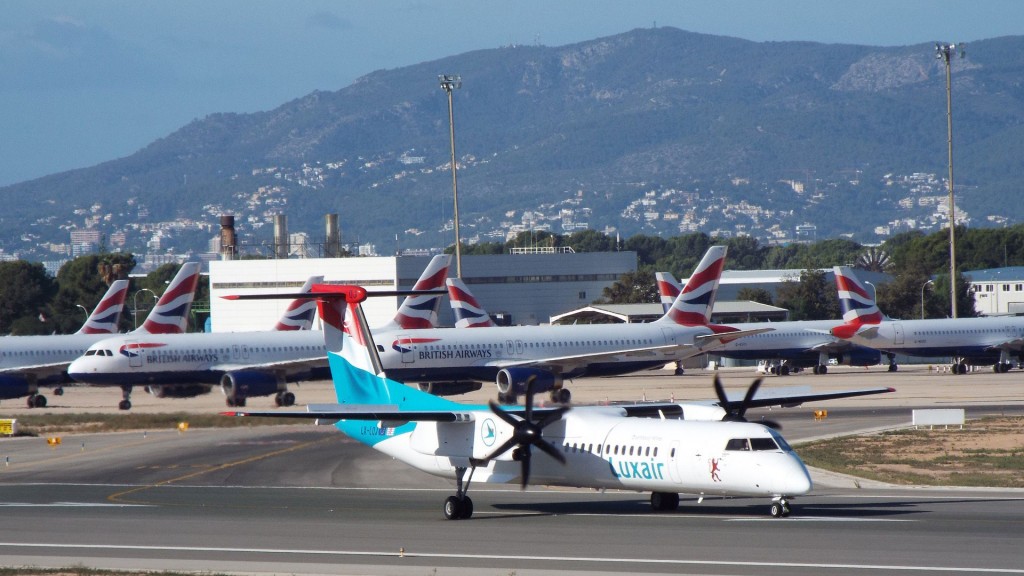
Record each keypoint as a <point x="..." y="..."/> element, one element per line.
<point x="306" y="500"/>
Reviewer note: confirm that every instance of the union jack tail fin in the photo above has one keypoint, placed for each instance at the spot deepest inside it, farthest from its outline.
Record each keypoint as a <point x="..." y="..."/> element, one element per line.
<point x="170" y="315"/>
<point x="468" y="311"/>
<point x="105" y="316"/>
<point x="668" y="288"/>
<point x="300" y="313"/>
<point x="421" y="311"/>
<point x="856" y="302"/>
<point x="693" y="305"/>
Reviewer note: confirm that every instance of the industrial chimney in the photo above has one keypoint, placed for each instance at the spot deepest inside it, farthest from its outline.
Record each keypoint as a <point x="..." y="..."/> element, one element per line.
<point x="281" y="244"/>
<point x="332" y="238"/>
<point x="228" y="241"/>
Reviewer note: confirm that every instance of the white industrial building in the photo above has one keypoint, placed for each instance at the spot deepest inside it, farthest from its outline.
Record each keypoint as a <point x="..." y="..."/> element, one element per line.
<point x="520" y="288"/>
<point x="997" y="290"/>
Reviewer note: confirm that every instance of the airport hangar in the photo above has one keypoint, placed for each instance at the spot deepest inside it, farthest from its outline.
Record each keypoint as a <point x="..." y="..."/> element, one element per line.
<point x="525" y="289"/>
<point x="517" y="288"/>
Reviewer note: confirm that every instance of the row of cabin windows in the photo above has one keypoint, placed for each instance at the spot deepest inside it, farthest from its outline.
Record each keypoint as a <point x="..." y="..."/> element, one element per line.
<point x="23" y="353"/>
<point x="735" y="444"/>
<point x="484" y="346"/>
<point x="615" y="449"/>
<point x="991" y="288"/>
<point x="104" y="352"/>
<point x="1001" y="330"/>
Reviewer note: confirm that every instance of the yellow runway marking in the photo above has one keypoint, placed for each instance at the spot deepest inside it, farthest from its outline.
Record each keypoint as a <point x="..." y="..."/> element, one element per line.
<point x="119" y="497"/>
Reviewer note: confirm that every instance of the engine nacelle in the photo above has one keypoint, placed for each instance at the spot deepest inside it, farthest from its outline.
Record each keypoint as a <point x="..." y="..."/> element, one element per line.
<point x="15" y="387"/>
<point x="178" y="390"/>
<point x="513" y="380"/>
<point x="450" y="388"/>
<point x="250" y="383"/>
<point x="860" y="357"/>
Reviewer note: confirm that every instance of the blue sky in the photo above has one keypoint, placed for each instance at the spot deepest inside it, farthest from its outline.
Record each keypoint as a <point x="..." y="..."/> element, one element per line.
<point x="85" y="82"/>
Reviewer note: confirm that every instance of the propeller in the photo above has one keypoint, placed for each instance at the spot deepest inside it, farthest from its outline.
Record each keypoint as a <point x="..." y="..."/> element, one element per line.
<point x="526" y="434"/>
<point x="736" y="414"/>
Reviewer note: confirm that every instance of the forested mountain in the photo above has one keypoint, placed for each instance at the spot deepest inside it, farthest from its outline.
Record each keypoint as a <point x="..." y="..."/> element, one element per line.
<point x="653" y="131"/>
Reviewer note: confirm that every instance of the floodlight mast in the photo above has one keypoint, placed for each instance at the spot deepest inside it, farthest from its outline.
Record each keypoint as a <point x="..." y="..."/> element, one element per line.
<point x="945" y="52"/>
<point x="449" y="83"/>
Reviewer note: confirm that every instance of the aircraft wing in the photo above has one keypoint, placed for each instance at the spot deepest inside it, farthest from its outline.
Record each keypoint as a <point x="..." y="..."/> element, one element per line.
<point x="834" y="346"/>
<point x="388" y="415"/>
<point x="1016" y="344"/>
<point x="286" y="365"/>
<point x="668" y="353"/>
<point x="795" y="396"/>
<point x="713" y="341"/>
<point x="45" y="369"/>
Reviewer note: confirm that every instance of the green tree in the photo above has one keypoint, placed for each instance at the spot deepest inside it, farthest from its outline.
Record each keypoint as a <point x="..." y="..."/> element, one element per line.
<point x="810" y="298"/>
<point x="24" y="293"/>
<point x="591" y="241"/>
<point x="755" y="295"/>
<point x="632" y="288"/>
<point x="82" y="282"/>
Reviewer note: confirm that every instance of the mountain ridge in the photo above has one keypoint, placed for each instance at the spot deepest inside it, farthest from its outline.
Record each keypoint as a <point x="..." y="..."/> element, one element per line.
<point x="704" y="123"/>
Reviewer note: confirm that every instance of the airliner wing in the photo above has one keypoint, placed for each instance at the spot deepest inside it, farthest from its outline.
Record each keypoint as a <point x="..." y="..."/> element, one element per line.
<point x="667" y="352"/>
<point x="387" y="415"/>
<point x="45" y="369"/>
<point x="290" y="364"/>
<point x="786" y="397"/>
<point x="833" y="346"/>
<point x="713" y="341"/>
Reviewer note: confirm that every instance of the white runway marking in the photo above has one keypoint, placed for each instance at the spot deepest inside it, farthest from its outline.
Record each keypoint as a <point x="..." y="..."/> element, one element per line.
<point x="552" y="559"/>
<point x="68" y="505"/>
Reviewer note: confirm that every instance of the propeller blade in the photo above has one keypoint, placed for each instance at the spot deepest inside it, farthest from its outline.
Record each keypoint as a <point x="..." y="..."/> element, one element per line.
<point x="524" y="459"/>
<point x="550" y="450"/>
<point x="723" y="400"/>
<point x="509" y="419"/>
<point x="748" y="397"/>
<point x="501" y="449"/>
<point x="553" y="417"/>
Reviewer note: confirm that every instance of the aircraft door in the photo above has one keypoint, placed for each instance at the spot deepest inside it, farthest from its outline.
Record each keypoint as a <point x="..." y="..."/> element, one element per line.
<point x="408" y="354"/>
<point x="245" y="352"/>
<point x="135" y="354"/>
<point x="520" y="348"/>
<point x="673" y="462"/>
<point x="236" y="352"/>
<point x="897" y="335"/>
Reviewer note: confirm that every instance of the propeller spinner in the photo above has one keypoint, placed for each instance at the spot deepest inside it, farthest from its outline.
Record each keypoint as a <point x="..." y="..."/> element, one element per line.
<point x="526" y="434"/>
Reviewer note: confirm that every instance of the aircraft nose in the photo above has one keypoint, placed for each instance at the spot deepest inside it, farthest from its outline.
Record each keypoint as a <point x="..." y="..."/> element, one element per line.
<point x="796" y="480"/>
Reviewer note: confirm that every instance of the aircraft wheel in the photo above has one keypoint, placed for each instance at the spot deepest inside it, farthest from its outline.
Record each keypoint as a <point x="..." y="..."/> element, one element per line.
<point x="823" y="369"/>
<point x="776" y="510"/>
<point x="278" y="400"/>
<point x="664" y="501"/>
<point x="39" y="401"/>
<point x="467" y="508"/>
<point x="561" y="396"/>
<point x="124" y="405"/>
<point x="784" y="370"/>
<point x="452" y="508"/>
<point x="58" y="391"/>
<point x="288" y="398"/>
<point x="893" y="367"/>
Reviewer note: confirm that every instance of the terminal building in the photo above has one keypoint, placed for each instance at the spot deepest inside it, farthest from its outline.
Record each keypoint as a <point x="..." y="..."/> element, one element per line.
<point x="515" y="289"/>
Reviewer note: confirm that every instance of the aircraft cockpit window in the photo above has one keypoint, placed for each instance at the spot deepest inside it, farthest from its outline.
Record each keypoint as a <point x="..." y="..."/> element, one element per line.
<point x="763" y="444"/>
<point x="781" y="441"/>
<point x="90" y="352"/>
<point x="738" y="444"/>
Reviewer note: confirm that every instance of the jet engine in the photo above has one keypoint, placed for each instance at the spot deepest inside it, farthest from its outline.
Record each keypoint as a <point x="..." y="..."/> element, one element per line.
<point x="15" y="387"/>
<point x="237" y="386"/>
<point x="450" y="388"/>
<point x="512" y="382"/>
<point x="860" y="357"/>
<point x="178" y="390"/>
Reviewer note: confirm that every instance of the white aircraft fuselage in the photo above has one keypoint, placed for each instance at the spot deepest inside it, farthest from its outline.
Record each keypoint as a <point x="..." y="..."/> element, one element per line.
<point x="981" y="340"/>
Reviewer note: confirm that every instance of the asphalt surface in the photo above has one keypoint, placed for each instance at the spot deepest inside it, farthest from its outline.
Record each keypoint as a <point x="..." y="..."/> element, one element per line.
<point x="306" y="500"/>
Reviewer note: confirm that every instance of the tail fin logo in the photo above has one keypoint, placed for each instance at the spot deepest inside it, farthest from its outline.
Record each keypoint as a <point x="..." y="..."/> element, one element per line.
<point x="105" y="316"/>
<point x="858" y="305"/>
<point x="693" y="305"/>
<point x="300" y="313"/>
<point x="419" y="312"/>
<point x="468" y="311"/>
<point x="170" y="315"/>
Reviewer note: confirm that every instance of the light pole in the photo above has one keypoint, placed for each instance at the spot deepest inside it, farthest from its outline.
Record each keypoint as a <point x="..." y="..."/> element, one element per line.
<point x="922" y="297"/>
<point x="84" y="311"/>
<point x="448" y="84"/>
<point x="945" y="52"/>
<point x="135" y="303"/>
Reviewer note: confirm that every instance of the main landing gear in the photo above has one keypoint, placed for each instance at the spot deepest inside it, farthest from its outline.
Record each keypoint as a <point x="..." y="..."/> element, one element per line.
<point x="126" y="398"/>
<point x="460" y="506"/>
<point x="780" y="507"/>
<point x="36" y="401"/>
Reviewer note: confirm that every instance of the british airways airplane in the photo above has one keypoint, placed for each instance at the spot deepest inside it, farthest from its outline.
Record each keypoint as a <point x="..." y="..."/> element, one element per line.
<point x="243" y="364"/>
<point x="791" y="345"/>
<point x="665" y="449"/>
<point x="28" y="362"/>
<point x="453" y="361"/>
<point x="996" y="341"/>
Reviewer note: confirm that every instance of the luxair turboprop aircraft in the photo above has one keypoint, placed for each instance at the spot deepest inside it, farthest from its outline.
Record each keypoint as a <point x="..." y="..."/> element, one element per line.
<point x="713" y="451"/>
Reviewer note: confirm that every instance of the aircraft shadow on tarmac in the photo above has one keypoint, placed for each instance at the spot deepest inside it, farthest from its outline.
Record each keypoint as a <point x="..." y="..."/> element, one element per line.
<point x="887" y="507"/>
